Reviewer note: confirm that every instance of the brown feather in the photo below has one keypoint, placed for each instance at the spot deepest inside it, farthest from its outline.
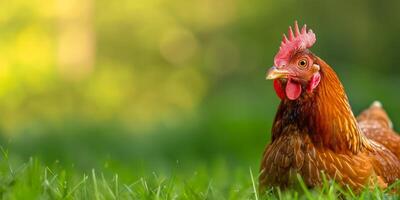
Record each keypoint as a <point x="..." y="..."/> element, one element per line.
<point x="377" y="126"/>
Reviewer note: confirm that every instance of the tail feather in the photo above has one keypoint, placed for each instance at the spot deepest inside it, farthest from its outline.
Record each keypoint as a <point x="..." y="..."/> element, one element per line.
<point x="375" y="113"/>
<point x="377" y="126"/>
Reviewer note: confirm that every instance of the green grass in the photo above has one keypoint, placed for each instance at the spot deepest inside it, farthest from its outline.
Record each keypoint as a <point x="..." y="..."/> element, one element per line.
<point x="34" y="180"/>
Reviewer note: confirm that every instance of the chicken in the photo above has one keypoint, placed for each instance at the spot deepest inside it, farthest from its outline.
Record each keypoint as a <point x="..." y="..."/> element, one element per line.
<point x="315" y="132"/>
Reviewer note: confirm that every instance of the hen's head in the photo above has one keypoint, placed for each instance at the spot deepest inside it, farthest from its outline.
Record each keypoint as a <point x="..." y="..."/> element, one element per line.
<point x="295" y="69"/>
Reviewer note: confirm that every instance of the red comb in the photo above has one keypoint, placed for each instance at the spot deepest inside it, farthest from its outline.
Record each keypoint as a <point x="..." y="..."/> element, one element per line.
<point x="299" y="40"/>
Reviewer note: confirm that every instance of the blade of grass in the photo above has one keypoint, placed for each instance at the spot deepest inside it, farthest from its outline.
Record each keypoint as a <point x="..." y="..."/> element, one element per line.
<point x="96" y="190"/>
<point x="116" y="187"/>
<point x="107" y="186"/>
<point x="304" y="188"/>
<point x="254" y="184"/>
<point x="83" y="181"/>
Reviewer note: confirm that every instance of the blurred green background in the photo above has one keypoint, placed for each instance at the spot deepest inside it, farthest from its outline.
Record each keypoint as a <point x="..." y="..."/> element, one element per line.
<point x="161" y="84"/>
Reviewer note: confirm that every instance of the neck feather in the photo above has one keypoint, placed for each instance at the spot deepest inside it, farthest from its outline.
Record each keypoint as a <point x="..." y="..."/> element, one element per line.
<point x="325" y="115"/>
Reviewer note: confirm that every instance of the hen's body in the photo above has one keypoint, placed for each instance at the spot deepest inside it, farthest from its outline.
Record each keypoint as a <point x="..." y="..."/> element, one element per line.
<point x="318" y="133"/>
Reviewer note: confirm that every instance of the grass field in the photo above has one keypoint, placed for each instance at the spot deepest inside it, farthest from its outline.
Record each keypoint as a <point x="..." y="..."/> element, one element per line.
<point x="34" y="180"/>
<point x="91" y="163"/>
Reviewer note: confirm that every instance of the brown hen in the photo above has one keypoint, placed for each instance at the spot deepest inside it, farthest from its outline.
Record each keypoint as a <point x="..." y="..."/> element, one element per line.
<point x="315" y="131"/>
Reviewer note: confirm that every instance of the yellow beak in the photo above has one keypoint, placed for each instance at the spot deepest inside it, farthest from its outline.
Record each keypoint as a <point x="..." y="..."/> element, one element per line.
<point x="274" y="73"/>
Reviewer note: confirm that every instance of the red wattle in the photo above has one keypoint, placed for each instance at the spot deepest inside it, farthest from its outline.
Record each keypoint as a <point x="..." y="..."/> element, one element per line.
<point x="293" y="89"/>
<point x="279" y="90"/>
<point x="315" y="79"/>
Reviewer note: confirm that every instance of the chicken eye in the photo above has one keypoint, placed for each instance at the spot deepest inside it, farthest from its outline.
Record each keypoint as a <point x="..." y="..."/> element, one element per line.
<point x="302" y="63"/>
